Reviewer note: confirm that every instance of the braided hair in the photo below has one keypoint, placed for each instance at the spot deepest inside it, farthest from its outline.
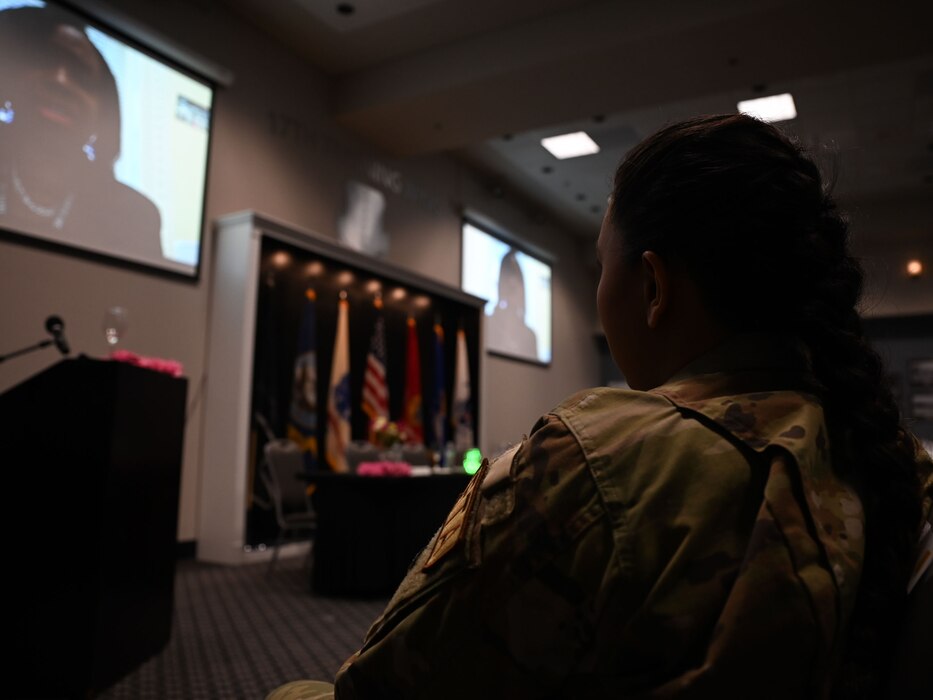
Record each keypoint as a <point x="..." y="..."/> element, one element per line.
<point x="745" y="210"/>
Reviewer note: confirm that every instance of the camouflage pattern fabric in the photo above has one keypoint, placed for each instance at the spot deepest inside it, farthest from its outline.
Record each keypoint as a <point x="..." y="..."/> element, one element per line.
<point x="691" y="541"/>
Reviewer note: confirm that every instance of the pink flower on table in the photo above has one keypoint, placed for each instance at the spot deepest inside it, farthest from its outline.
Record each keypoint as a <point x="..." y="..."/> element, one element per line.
<point x="158" y="364"/>
<point x="384" y="469"/>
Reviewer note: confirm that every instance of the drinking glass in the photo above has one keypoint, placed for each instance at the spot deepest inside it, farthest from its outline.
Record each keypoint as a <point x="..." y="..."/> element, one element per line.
<point x="115" y="324"/>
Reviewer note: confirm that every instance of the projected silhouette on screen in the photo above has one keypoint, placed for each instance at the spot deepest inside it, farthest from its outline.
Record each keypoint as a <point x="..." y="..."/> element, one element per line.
<point x="508" y="331"/>
<point x="60" y="137"/>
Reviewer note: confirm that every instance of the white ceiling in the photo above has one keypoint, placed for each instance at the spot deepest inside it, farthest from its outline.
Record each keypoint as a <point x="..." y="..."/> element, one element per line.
<point x="487" y="79"/>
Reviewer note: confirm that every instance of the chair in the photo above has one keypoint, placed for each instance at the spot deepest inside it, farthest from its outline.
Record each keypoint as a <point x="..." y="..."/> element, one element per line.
<point x="359" y="452"/>
<point x="417" y="455"/>
<point x="281" y="470"/>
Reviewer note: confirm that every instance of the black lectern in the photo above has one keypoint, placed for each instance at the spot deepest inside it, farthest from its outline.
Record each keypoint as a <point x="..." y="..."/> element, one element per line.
<point x="91" y="462"/>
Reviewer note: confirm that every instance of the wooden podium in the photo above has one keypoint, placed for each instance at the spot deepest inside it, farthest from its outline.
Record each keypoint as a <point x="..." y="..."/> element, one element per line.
<point x="91" y="454"/>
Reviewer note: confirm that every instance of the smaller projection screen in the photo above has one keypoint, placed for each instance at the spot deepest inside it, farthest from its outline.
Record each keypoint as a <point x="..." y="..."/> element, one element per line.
<point x="517" y="289"/>
<point x="103" y="147"/>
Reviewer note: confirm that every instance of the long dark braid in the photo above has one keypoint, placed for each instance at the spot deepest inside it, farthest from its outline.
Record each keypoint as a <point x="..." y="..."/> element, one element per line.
<point x="745" y="210"/>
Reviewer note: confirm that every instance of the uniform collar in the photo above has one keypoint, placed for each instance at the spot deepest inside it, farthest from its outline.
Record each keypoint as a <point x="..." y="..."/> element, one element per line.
<point x="745" y="362"/>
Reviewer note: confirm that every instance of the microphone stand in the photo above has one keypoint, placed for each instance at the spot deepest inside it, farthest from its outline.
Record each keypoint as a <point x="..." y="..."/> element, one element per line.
<point x="22" y="351"/>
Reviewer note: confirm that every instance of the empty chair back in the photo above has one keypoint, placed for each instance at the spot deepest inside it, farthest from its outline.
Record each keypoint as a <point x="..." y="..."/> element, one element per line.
<point x="284" y="465"/>
<point x="359" y="452"/>
<point x="416" y="455"/>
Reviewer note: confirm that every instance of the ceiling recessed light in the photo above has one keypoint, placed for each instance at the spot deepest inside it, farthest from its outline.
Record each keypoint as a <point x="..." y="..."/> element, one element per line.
<point x="914" y="268"/>
<point x="775" y="108"/>
<point x="570" y="145"/>
<point x="345" y="8"/>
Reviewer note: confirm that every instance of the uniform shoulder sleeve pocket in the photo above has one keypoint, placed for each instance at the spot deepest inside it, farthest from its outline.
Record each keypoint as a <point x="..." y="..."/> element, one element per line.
<point x="499" y="470"/>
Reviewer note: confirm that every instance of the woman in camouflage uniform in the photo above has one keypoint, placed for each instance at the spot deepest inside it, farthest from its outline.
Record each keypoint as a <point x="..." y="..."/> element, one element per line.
<point x="741" y="523"/>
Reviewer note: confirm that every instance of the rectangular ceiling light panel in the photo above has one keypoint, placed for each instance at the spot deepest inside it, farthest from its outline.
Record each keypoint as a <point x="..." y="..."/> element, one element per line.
<point x="776" y="108"/>
<point x="570" y="145"/>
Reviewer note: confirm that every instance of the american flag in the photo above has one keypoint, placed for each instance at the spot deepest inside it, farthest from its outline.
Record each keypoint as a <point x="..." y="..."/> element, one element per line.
<point x="375" y="389"/>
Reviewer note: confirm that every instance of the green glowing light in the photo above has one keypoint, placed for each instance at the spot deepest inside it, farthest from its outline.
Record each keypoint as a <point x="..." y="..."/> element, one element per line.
<point x="472" y="460"/>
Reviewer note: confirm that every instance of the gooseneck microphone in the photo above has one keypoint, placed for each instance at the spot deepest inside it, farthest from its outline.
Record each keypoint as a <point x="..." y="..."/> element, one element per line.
<point x="55" y="326"/>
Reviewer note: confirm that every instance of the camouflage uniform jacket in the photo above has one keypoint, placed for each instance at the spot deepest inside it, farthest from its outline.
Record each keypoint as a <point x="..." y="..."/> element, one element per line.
<point x="690" y="541"/>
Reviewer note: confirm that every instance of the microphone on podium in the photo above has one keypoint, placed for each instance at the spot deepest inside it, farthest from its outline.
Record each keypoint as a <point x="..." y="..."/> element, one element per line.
<point x="55" y="326"/>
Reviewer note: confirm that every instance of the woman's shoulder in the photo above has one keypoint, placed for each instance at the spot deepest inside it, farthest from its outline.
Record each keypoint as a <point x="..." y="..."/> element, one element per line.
<point x="608" y="414"/>
<point x="604" y="399"/>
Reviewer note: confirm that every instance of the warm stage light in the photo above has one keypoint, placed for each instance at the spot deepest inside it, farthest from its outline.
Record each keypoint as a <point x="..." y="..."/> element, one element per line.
<point x="281" y="259"/>
<point x="914" y="268"/>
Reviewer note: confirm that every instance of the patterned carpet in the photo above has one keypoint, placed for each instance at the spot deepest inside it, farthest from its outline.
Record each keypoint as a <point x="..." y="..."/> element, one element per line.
<point x="238" y="633"/>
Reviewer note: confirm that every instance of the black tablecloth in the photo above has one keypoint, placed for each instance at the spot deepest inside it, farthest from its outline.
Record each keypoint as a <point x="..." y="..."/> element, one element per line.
<point x="371" y="528"/>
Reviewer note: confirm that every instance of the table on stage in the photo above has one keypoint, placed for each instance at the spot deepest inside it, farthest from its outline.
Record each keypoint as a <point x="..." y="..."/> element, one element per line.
<point x="369" y="529"/>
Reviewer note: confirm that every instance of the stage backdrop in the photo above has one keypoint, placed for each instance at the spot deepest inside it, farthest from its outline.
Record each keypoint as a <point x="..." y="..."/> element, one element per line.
<point x="294" y="353"/>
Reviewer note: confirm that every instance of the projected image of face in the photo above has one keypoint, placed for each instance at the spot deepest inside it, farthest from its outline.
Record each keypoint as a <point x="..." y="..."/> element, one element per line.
<point x="63" y="95"/>
<point x="517" y="287"/>
<point x="103" y="147"/>
<point x="60" y="136"/>
<point x="507" y="322"/>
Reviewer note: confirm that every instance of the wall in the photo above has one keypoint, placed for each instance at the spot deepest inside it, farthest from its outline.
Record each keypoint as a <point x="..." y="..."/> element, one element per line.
<point x="275" y="151"/>
<point x="901" y="342"/>
<point x="884" y="237"/>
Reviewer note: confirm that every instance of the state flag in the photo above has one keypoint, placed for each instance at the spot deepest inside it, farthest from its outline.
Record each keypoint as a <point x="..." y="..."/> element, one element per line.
<point x="302" y="414"/>
<point x="439" y="403"/>
<point x="412" y="422"/>
<point x="338" y="398"/>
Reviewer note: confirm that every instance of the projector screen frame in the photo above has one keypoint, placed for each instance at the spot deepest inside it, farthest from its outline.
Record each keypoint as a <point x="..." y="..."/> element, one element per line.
<point x="212" y="77"/>
<point x="496" y="232"/>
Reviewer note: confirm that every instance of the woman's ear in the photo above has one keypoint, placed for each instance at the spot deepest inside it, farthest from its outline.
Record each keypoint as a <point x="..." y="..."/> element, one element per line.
<point x="657" y="289"/>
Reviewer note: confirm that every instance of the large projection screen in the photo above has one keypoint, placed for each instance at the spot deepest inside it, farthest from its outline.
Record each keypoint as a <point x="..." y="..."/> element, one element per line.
<point x="103" y="145"/>
<point x="517" y="289"/>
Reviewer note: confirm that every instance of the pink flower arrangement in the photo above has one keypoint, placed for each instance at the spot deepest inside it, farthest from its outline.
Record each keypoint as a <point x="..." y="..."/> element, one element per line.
<point x="158" y="364"/>
<point x="384" y="469"/>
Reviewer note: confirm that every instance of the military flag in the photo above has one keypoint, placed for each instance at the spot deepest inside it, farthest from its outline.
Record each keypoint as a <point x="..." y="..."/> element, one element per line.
<point x="302" y="415"/>
<point x="338" y="398"/>
<point x="375" y="388"/>
<point x="439" y="404"/>
<point x="411" y="411"/>
<point x="462" y="403"/>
